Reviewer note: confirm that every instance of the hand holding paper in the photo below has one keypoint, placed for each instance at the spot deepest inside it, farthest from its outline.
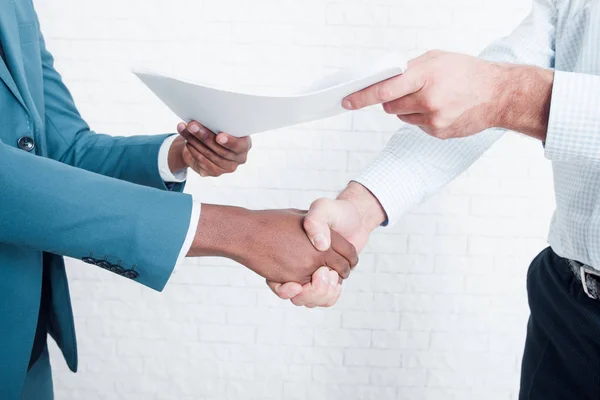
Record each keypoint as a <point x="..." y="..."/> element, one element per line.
<point x="209" y="153"/>
<point x="451" y="95"/>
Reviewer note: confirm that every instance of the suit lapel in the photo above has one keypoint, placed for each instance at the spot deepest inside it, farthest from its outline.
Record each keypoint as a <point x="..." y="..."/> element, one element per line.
<point x="11" y="70"/>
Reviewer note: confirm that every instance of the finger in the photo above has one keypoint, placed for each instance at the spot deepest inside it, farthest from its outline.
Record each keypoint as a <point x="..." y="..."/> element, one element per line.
<point x="332" y="293"/>
<point x="344" y="248"/>
<point x="305" y="296"/>
<point x="320" y="217"/>
<point x="190" y="130"/>
<point x="209" y="161"/>
<point x="209" y="139"/>
<point x="196" y="162"/>
<point x="285" y="291"/>
<point x="318" y="293"/>
<point x="386" y="91"/>
<point x="414" y="119"/>
<point x="410" y="104"/>
<point x="338" y="263"/>
<point x="336" y="290"/>
<point x="205" y="149"/>
<point x="315" y="292"/>
<point x="310" y="291"/>
<point x="237" y="145"/>
<point x="323" y="286"/>
<point x="193" y="163"/>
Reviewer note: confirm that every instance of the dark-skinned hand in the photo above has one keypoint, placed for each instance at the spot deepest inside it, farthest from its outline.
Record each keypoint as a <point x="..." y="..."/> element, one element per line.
<point x="209" y="154"/>
<point x="271" y="243"/>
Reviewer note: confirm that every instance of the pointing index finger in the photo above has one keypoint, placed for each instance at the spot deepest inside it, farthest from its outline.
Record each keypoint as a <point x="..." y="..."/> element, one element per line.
<point x="386" y="91"/>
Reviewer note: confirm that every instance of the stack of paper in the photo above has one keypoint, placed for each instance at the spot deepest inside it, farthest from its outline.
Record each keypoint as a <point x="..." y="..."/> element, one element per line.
<point x="242" y="114"/>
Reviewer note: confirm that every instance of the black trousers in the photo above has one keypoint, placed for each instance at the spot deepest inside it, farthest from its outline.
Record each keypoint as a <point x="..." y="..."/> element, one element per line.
<point x="562" y="349"/>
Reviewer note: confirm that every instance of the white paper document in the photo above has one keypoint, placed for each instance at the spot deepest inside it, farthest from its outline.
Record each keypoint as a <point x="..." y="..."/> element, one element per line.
<point x="241" y="114"/>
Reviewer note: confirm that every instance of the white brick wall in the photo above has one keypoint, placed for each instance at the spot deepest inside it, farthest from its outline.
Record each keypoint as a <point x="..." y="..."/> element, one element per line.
<point x="437" y="308"/>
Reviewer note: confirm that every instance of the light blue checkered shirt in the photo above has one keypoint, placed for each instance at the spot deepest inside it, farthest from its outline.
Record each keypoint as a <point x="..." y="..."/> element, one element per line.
<point x="559" y="34"/>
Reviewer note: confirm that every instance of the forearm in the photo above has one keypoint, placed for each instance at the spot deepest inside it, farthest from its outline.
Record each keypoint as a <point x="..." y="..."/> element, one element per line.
<point x="524" y="95"/>
<point x="221" y="232"/>
<point x="559" y="108"/>
<point x="414" y="166"/>
<point x="524" y="90"/>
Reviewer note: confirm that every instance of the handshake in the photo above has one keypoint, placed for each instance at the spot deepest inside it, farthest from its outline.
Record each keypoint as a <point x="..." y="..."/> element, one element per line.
<point x="274" y="244"/>
<point x="303" y="255"/>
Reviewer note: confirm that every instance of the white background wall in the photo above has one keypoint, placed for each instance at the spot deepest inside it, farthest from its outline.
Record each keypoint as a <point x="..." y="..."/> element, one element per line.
<point x="437" y="308"/>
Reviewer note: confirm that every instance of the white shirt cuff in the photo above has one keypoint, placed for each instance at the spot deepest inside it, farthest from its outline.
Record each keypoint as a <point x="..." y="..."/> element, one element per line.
<point x="163" y="163"/>
<point x="574" y="119"/>
<point x="191" y="233"/>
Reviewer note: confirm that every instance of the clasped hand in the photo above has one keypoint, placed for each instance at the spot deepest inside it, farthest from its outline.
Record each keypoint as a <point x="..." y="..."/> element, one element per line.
<point x="271" y="243"/>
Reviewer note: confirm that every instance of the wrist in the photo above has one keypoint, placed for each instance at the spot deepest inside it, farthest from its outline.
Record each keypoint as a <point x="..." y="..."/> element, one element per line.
<point x="524" y="94"/>
<point x="175" y="157"/>
<point x="221" y="232"/>
<point x="371" y="212"/>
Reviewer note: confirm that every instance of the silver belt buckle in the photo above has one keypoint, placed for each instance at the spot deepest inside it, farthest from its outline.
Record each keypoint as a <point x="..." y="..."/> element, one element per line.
<point x="584" y="273"/>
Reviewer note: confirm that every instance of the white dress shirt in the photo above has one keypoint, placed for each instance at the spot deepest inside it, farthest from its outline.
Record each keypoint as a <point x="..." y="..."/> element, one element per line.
<point x="178" y="177"/>
<point x="559" y="34"/>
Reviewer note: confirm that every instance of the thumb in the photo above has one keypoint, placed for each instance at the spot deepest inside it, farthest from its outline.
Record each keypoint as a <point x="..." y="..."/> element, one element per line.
<point x="318" y="223"/>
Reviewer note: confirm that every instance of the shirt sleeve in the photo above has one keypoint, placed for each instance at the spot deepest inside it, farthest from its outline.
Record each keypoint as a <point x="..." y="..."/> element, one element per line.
<point x="163" y="163"/>
<point x="178" y="177"/>
<point x="574" y="125"/>
<point x="191" y="233"/>
<point x="415" y="165"/>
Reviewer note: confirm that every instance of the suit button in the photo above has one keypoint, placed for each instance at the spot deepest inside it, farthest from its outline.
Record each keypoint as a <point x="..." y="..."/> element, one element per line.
<point x="103" y="264"/>
<point x="26" y="143"/>
<point x="116" y="269"/>
<point x="131" y="274"/>
<point x="89" y="260"/>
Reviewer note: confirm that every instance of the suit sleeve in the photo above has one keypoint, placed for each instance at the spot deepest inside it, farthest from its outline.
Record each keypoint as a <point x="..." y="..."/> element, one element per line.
<point x="415" y="165"/>
<point x="49" y="206"/>
<point x="71" y="141"/>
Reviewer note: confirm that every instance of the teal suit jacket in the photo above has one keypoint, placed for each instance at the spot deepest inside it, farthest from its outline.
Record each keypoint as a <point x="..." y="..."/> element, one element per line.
<point x="67" y="191"/>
